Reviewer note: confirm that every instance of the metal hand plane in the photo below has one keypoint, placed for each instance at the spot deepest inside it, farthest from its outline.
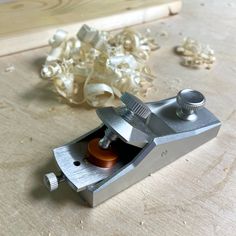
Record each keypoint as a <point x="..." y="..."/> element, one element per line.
<point x="133" y="141"/>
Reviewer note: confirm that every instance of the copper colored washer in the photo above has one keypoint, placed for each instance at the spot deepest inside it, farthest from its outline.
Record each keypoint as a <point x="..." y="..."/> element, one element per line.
<point x="105" y="158"/>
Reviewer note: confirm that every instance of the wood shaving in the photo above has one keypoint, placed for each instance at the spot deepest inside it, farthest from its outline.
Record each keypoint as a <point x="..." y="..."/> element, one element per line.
<point x="96" y="66"/>
<point x="10" y="68"/>
<point x="195" y="54"/>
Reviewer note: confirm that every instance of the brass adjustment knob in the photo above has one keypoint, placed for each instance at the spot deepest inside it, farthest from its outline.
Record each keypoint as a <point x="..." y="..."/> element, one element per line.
<point x="189" y="102"/>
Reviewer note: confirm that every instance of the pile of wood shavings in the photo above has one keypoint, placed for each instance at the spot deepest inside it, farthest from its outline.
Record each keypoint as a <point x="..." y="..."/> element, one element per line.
<point x="97" y="66"/>
<point x="195" y="54"/>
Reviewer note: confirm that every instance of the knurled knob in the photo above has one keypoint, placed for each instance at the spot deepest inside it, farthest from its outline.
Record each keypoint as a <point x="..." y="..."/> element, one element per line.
<point x="51" y="181"/>
<point x="189" y="101"/>
<point x="135" y="105"/>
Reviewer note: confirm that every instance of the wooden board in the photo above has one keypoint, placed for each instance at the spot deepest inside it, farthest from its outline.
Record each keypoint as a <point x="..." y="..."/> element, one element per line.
<point x="28" y="24"/>
<point x="194" y="196"/>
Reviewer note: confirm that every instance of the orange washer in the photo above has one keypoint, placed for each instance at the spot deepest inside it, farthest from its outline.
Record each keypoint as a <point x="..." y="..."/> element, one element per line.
<point x="105" y="158"/>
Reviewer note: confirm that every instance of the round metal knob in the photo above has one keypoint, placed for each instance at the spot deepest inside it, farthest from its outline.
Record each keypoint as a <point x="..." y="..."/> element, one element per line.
<point x="51" y="181"/>
<point x="135" y="105"/>
<point x="189" y="101"/>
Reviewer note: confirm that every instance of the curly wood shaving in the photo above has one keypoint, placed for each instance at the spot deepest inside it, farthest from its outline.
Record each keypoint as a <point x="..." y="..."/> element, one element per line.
<point x="195" y="54"/>
<point x="96" y="66"/>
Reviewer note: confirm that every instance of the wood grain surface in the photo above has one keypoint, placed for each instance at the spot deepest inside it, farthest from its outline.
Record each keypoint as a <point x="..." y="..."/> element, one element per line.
<point x="27" y="24"/>
<point x="196" y="195"/>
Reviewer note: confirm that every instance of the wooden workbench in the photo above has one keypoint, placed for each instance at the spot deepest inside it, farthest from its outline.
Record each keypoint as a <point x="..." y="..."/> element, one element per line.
<point x="196" y="195"/>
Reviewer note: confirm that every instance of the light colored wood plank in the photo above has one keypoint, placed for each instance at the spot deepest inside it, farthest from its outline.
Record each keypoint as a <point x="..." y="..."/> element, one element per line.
<point x="28" y="24"/>
<point x="194" y="196"/>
